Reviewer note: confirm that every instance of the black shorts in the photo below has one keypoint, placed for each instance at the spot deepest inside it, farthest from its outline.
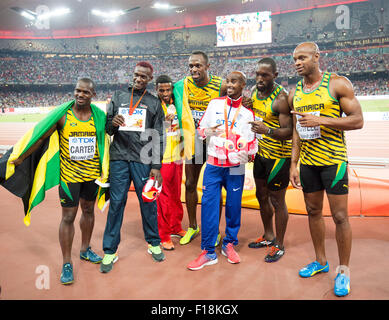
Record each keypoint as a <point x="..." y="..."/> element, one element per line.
<point x="70" y="193"/>
<point x="334" y="178"/>
<point x="274" y="171"/>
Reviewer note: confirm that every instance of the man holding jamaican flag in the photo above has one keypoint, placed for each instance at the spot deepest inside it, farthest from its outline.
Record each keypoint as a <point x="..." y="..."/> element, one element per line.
<point x="69" y="148"/>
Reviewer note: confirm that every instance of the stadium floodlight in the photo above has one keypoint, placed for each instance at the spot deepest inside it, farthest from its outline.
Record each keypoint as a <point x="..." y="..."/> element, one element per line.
<point x="27" y="15"/>
<point x="54" y="13"/>
<point x="111" y="14"/>
<point x="163" y="6"/>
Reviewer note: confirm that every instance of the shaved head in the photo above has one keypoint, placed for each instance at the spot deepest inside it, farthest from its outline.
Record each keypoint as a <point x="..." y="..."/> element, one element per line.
<point x="311" y="47"/>
<point x="238" y="74"/>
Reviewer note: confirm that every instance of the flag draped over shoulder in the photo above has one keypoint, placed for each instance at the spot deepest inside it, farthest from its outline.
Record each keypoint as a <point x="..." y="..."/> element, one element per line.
<point x="40" y="171"/>
<point x="184" y="115"/>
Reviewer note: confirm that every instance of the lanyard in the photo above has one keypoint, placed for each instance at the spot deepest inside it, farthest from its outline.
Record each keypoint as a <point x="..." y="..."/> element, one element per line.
<point x="132" y="108"/>
<point x="164" y="106"/>
<point x="226" y="117"/>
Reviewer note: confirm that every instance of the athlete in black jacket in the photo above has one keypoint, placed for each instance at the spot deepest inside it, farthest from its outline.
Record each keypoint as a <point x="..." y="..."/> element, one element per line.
<point x="135" y="119"/>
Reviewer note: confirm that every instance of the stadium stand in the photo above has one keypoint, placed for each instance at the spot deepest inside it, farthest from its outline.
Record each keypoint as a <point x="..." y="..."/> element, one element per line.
<point x="41" y="72"/>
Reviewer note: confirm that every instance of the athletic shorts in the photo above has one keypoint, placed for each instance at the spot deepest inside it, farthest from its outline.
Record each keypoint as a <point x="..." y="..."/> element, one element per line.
<point x="274" y="171"/>
<point x="334" y="178"/>
<point x="70" y="193"/>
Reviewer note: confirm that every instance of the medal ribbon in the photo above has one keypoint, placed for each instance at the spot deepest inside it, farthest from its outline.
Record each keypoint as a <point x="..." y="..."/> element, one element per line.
<point x="226" y="117"/>
<point x="132" y="108"/>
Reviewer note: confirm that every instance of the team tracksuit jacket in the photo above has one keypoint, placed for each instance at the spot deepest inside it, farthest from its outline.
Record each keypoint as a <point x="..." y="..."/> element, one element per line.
<point x="223" y="168"/>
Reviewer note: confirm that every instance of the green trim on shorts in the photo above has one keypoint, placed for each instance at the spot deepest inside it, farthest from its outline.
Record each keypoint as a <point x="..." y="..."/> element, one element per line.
<point x="278" y="164"/>
<point x="340" y="171"/>
<point x="65" y="188"/>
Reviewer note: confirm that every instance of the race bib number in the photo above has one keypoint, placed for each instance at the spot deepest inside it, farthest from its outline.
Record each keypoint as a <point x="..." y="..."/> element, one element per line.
<point x="82" y="148"/>
<point x="308" y="133"/>
<point x="134" y="122"/>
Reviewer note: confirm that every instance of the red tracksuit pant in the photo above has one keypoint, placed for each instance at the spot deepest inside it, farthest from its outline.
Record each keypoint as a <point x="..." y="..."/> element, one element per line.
<point x="170" y="210"/>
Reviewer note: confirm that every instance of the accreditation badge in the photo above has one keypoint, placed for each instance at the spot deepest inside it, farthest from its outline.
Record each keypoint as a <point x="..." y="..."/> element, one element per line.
<point x="134" y="122"/>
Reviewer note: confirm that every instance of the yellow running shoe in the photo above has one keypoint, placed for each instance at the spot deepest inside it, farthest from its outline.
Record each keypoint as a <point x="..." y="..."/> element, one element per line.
<point x="218" y="240"/>
<point x="189" y="235"/>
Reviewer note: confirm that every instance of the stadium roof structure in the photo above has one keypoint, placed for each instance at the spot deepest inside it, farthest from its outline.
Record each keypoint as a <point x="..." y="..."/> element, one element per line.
<point x="135" y="16"/>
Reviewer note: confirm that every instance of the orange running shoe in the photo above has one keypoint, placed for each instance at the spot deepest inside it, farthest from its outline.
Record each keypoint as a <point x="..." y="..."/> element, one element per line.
<point x="230" y="253"/>
<point x="167" y="245"/>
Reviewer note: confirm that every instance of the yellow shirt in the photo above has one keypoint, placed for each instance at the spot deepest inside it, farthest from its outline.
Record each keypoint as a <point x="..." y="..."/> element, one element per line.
<point x="263" y="110"/>
<point x="199" y="97"/>
<point x="79" y="155"/>
<point x="172" y="151"/>
<point x="323" y="145"/>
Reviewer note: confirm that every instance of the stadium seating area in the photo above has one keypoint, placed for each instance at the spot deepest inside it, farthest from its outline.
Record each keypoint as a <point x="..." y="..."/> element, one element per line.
<point x="42" y="72"/>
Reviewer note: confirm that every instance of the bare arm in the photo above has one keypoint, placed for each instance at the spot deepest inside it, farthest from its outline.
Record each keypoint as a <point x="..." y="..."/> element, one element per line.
<point x="294" y="175"/>
<point x="342" y="89"/>
<point x="35" y="146"/>
<point x="281" y="106"/>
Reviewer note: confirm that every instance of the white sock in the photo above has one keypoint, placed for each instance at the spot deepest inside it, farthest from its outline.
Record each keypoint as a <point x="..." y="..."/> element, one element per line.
<point x="343" y="269"/>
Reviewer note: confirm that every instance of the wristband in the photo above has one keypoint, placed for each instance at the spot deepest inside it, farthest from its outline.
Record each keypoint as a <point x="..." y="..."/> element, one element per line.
<point x="269" y="132"/>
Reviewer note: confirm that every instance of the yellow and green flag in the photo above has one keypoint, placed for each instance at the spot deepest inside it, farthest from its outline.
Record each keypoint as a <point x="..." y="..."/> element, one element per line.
<point x="184" y="115"/>
<point x="40" y="171"/>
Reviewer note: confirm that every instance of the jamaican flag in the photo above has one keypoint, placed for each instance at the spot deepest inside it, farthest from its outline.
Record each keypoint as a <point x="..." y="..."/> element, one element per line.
<point x="40" y="171"/>
<point x="185" y="119"/>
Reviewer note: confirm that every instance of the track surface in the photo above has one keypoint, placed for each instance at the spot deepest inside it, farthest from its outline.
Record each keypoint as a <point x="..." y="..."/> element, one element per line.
<point x="136" y="276"/>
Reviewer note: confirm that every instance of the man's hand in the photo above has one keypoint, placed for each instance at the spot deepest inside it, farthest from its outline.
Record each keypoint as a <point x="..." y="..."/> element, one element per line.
<point x="243" y="157"/>
<point x="247" y="102"/>
<point x="307" y="119"/>
<point x="294" y="177"/>
<point x="17" y="162"/>
<point x="258" y="127"/>
<point x="213" y="131"/>
<point x="169" y="117"/>
<point x="157" y="176"/>
<point x="118" y="120"/>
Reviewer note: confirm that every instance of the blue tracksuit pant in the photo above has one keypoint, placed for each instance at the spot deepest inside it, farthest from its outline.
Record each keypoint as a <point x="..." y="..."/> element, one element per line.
<point x="121" y="174"/>
<point x="214" y="178"/>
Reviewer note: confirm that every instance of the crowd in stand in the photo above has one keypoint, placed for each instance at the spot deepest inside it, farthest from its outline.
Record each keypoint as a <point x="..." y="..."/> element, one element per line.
<point x="51" y="72"/>
<point x="38" y="69"/>
<point x="46" y="98"/>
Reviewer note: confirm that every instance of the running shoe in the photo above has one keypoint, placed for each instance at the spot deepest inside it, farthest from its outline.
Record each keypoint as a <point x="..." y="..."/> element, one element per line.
<point x="167" y="245"/>
<point x="107" y="262"/>
<point x="179" y="234"/>
<point x="313" y="268"/>
<point x="261" y="242"/>
<point x="189" y="235"/>
<point x="342" y="285"/>
<point x="89" y="255"/>
<point x="230" y="253"/>
<point x="218" y="240"/>
<point x="204" y="259"/>
<point x="275" y="253"/>
<point x="156" y="253"/>
<point x="67" y="274"/>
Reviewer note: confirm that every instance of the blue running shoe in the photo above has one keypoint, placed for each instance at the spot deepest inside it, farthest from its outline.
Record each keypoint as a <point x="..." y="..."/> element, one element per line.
<point x="313" y="268"/>
<point x="89" y="255"/>
<point x="67" y="274"/>
<point x="342" y="285"/>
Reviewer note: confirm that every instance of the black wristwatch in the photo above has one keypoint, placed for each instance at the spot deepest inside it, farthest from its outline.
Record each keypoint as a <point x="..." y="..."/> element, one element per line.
<point x="269" y="132"/>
